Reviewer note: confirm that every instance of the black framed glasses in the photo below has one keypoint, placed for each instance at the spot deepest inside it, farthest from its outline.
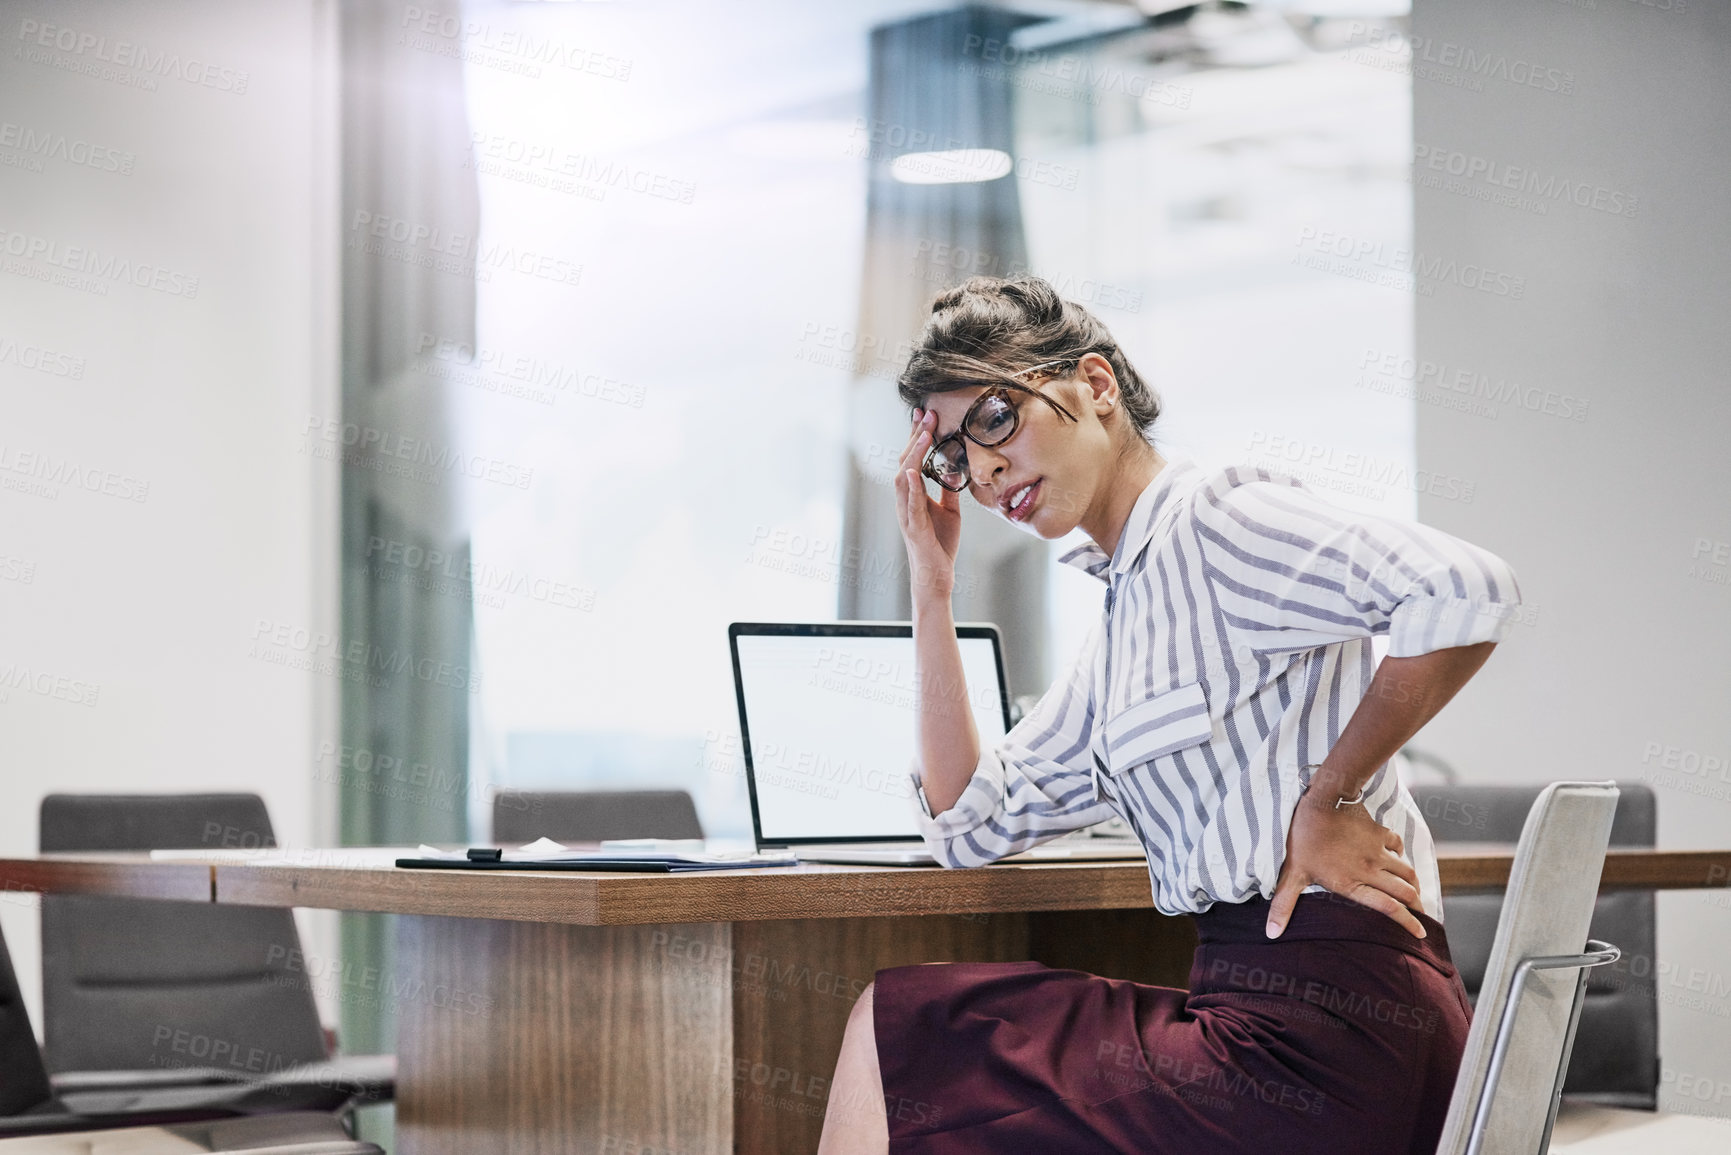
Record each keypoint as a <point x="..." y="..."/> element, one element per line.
<point x="990" y="421"/>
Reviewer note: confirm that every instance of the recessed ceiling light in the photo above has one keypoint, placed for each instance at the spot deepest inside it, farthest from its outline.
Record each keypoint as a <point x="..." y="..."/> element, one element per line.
<point x="1341" y="8"/>
<point x="951" y="166"/>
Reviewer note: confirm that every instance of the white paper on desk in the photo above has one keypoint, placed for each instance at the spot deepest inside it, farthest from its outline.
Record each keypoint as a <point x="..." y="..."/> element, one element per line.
<point x="636" y="850"/>
<point x="250" y="855"/>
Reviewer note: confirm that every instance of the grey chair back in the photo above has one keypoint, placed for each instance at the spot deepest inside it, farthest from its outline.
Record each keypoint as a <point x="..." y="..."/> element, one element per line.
<point x="144" y="984"/>
<point x="591" y="815"/>
<point x="1616" y="1056"/>
<point x="1510" y="1076"/>
<point x="23" y="1079"/>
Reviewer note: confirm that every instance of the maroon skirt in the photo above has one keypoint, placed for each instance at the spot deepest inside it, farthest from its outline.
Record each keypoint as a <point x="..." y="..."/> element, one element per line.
<point x="1342" y="1036"/>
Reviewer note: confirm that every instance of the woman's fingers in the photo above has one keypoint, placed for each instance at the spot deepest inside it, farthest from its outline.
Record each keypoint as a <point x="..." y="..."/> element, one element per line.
<point x="915" y="505"/>
<point x="950" y="499"/>
<point x="1396" y="876"/>
<point x="919" y="506"/>
<point x="1389" y="875"/>
<point x="1367" y="895"/>
<point x="916" y="446"/>
<point x="915" y="521"/>
<point x="928" y="532"/>
<point x="1398" y="888"/>
<point x="1400" y="867"/>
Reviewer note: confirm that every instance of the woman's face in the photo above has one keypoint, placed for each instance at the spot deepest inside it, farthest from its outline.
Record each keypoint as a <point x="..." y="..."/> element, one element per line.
<point x="1066" y="463"/>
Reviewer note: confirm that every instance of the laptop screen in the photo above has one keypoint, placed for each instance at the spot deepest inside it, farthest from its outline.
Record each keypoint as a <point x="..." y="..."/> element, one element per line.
<point x="826" y="713"/>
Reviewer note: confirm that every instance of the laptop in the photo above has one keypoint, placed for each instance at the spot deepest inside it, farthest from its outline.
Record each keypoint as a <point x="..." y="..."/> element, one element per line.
<point x="826" y="722"/>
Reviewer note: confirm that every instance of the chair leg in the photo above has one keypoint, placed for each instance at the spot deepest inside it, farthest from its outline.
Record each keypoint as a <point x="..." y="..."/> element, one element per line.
<point x="1563" y="1065"/>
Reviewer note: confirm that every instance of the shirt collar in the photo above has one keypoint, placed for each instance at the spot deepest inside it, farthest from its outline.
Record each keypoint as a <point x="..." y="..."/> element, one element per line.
<point x="1138" y="527"/>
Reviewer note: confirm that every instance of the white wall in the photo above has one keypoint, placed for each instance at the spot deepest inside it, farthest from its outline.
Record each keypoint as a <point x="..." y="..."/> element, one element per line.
<point x="1622" y="669"/>
<point x="130" y="589"/>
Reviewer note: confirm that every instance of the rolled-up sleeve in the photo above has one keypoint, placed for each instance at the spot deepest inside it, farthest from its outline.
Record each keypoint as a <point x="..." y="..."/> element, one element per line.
<point x="1033" y="785"/>
<point x="1293" y="571"/>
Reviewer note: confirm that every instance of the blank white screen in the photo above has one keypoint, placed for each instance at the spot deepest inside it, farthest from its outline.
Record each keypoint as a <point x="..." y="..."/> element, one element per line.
<point x="831" y="727"/>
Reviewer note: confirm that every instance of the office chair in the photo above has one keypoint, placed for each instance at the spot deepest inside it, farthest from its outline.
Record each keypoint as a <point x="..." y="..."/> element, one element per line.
<point x="143" y="992"/>
<point x="221" y="1117"/>
<point x="521" y="816"/>
<point x="1616" y="1055"/>
<point x="1511" y="1074"/>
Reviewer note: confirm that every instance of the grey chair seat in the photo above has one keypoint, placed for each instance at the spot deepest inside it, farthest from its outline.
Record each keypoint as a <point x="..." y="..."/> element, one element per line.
<point x="296" y="1134"/>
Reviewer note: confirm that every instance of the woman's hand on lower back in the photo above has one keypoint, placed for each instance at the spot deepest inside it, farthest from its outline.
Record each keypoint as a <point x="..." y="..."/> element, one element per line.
<point x="1346" y="851"/>
<point x="932" y="530"/>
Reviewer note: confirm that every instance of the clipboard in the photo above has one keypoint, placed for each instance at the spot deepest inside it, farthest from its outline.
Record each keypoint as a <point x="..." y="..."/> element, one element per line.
<point x="493" y="858"/>
<point x="636" y="865"/>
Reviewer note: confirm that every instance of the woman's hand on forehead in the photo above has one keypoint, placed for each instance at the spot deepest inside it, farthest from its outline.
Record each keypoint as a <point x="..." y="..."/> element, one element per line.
<point x="920" y="416"/>
<point x="937" y="421"/>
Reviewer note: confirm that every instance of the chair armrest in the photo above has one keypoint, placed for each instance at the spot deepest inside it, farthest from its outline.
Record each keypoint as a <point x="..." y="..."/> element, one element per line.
<point x="142" y="1079"/>
<point x="210" y="1101"/>
<point x="372" y="1077"/>
<point x="367" y="1077"/>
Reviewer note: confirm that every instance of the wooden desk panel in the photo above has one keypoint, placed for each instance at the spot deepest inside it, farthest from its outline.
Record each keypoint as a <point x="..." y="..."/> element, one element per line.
<point x="700" y="1037"/>
<point x="528" y="1038"/>
<point x="115" y="875"/>
<point x="810" y="890"/>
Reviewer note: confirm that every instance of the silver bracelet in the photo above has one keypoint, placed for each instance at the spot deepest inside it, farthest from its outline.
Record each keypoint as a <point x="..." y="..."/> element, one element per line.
<point x="1304" y="776"/>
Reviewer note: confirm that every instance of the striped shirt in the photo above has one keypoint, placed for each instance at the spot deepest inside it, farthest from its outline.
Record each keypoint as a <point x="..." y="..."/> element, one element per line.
<point x="1233" y="646"/>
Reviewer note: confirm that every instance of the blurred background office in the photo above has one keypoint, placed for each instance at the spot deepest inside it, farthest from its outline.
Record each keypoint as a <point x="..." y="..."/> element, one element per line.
<point x="397" y="401"/>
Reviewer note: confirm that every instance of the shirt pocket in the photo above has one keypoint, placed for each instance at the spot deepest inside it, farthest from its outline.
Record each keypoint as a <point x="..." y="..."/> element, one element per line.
<point x="1162" y="724"/>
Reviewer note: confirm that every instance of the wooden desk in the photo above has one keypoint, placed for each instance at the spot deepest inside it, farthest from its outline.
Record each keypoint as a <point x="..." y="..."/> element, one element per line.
<point x="695" y="1014"/>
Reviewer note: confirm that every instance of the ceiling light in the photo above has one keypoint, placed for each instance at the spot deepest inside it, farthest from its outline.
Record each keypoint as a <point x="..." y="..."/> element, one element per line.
<point x="951" y="166"/>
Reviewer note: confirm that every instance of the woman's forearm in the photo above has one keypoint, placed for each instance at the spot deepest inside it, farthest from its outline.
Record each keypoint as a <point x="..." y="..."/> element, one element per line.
<point x="1404" y="694"/>
<point x="949" y="746"/>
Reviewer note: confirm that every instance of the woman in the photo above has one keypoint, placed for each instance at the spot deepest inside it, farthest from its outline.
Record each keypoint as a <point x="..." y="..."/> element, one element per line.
<point x="1229" y="708"/>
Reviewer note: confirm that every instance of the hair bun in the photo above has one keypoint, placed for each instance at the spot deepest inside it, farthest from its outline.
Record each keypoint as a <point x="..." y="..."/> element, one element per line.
<point x="974" y="286"/>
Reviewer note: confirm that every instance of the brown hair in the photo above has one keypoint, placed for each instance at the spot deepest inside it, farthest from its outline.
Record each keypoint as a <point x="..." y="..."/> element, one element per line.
<point x="987" y="328"/>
